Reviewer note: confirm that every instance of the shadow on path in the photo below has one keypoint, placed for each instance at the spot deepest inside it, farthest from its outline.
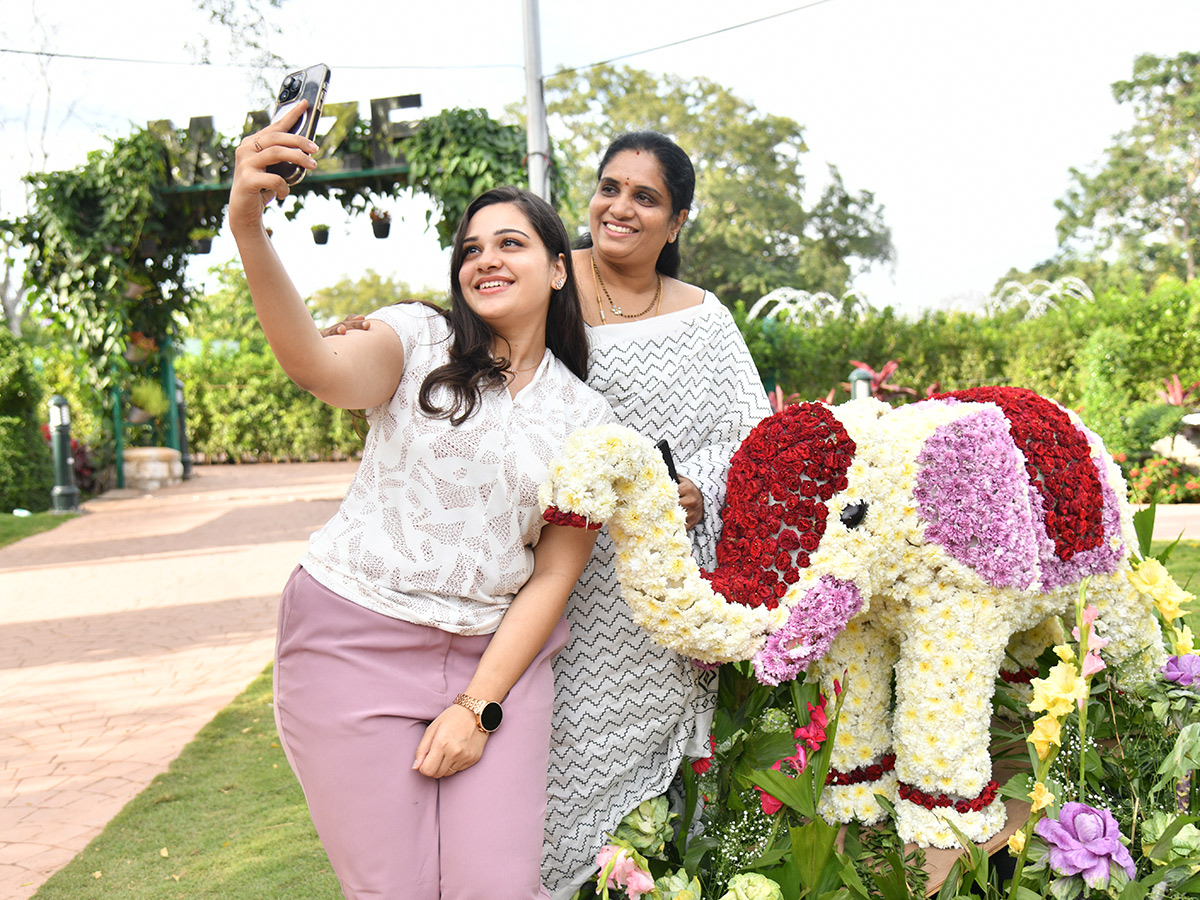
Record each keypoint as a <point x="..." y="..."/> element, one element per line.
<point x="128" y="634"/>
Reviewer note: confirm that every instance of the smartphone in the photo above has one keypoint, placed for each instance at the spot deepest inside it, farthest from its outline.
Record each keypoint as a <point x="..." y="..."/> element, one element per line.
<point x="665" y="449"/>
<point x="306" y="84"/>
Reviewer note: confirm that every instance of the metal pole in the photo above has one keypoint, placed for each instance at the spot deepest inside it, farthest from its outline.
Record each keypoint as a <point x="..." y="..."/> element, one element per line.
<point x="65" y="495"/>
<point x="537" y="139"/>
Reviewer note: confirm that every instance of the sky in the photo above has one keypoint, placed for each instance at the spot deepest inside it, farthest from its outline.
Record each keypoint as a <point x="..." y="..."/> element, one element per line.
<point x="963" y="118"/>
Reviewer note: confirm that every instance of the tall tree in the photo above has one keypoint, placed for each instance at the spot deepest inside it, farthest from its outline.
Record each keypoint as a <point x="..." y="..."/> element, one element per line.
<point x="750" y="231"/>
<point x="1142" y="203"/>
<point x="360" y="295"/>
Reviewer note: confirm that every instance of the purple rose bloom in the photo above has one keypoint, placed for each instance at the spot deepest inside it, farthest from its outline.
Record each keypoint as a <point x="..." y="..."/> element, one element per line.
<point x="1084" y="841"/>
<point x="1182" y="669"/>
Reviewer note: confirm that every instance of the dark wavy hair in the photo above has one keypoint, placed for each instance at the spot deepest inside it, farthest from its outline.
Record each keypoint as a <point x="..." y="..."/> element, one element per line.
<point x="472" y="368"/>
<point x="677" y="172"/>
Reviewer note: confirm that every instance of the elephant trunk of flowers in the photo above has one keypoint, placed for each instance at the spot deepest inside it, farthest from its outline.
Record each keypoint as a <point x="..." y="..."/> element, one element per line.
<point x="610" y="474"/>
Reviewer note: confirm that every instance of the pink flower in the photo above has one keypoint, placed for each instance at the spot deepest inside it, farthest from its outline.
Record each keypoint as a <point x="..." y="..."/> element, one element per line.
<point x="637" y="883"/>
<point x="1092" y="663"/>
<point x="770" y="804"/>
<point x="799" y="761"/>
<point x="625" y="872"/>
<point x="1095" y="642"/>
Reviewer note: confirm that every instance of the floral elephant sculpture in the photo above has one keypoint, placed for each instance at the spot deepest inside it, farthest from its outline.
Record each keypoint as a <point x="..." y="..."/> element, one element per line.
<point x="933" y="541"/>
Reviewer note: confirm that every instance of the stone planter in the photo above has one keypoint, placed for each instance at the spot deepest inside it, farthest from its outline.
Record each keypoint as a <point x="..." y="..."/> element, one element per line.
<point x="150" y="468"/>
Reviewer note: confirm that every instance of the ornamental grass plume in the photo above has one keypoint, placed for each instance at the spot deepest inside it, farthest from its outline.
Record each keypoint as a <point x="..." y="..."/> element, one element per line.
<point x="1085" y="841"/>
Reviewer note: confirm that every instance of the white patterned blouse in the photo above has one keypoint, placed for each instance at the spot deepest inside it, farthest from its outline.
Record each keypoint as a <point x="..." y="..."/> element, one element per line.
<point x="438" y="525"/>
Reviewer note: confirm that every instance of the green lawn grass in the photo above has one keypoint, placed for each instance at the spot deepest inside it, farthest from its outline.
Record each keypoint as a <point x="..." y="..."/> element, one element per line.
<point x="1184" y="563"/>
<point x="13" y="528"/>
<point x="229" y="814"/>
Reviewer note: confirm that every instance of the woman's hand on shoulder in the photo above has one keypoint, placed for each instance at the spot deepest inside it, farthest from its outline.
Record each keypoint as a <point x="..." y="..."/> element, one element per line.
<point x="253" y="185"/>
<point x="350" y="323"/>
<point x="451" y="743"/>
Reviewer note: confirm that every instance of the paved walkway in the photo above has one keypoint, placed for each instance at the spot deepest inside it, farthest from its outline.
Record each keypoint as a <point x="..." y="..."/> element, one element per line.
<point x="124" y="631"/>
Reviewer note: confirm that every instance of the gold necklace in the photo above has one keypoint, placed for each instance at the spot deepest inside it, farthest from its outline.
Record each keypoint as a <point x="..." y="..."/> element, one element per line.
<point x="654" y="303"/>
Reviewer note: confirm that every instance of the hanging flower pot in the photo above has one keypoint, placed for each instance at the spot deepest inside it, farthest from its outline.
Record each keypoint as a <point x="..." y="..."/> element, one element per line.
<point x="201" y="239"/>
<point x="320" y="234"/>
<point x="381" y="222"/>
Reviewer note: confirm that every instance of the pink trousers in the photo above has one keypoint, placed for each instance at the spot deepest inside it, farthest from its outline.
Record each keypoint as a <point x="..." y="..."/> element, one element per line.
<point x="354" y="692"/>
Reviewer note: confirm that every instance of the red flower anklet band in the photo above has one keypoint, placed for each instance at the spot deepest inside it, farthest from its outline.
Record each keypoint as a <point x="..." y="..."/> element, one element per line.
<point x="941" y="801"/>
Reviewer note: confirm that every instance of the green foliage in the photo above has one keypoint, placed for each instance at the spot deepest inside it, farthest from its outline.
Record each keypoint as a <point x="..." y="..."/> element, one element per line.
<point x="1142" y="203"/>
<point x="1164" y="481"/>
<point x="240" y="404"/>
<point x="26" y="468"/>
<point x="148" y="395"/>
<point x="751" y="231"/>
<point x="361" y="295"/>
<point x="108" y="248"/>
<point x="457" y="155"/>
<point x="1106" y="358"/>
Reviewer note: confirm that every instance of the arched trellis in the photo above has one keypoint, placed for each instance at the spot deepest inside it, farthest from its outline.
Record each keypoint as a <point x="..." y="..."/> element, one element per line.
<point x="109" y="240"/>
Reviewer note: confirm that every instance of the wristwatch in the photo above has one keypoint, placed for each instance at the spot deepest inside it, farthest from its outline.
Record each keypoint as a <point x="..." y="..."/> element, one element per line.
<point x="487" y="713"/>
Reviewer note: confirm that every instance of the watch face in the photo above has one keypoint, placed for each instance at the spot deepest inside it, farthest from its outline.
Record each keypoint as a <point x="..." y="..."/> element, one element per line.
<point x="490" y="716"/>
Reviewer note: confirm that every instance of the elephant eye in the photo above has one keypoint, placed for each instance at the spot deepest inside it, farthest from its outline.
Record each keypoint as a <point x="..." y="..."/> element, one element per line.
<point x="853" y="514"/>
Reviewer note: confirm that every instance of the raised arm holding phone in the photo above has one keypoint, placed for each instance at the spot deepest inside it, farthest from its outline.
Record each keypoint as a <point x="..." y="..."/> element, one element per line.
<point x="413" y="688"/>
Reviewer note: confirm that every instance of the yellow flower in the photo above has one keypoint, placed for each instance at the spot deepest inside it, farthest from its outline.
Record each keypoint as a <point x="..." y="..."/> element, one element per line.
<point x="1150" y="576"/>
<point x="1046" y="731"/>
<point x="1041" y="797"/>
<point x="1065" y="653"/>
<point x="1016" y="842"/>
<point x="1167" y="601"/>
<point x="1058" y="693"/>
<point x="1183" y="640"/>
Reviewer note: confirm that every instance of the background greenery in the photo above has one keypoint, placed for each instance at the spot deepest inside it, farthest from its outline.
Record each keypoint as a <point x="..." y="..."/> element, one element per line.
<point x="108" y="241"/>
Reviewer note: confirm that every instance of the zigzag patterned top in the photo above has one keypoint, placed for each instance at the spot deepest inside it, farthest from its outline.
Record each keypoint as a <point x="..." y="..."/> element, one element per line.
<point x="626" y="709"/>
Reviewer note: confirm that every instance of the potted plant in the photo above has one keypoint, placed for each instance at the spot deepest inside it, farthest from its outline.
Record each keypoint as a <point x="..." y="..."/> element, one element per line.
<point x="139" y="347"/>
<point x="147" y="401"/>
<point x="321" y="233"/>
<point x="202" y="239"/>
<point x="381" y="222"/>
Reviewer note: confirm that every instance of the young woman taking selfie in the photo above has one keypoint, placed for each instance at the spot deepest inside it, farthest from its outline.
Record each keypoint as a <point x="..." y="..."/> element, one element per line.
<point x="413" y="687"/>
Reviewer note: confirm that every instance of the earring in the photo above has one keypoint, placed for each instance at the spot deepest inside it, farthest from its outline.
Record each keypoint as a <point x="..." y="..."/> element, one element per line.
<point x="671" y="237"/>
<point x="558" y="286"/>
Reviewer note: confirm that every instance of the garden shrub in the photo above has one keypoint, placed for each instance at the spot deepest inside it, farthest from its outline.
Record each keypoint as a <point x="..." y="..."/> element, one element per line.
<point x="242" y="407"/>
<point x="26" y="466"/>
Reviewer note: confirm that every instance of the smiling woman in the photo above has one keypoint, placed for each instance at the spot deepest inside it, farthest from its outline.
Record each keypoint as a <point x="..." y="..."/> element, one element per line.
<point x="426" y="612"/>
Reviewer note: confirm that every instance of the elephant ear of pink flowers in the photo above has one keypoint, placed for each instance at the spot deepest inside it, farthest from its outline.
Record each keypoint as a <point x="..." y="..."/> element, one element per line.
<point x="1085" y="841"/>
